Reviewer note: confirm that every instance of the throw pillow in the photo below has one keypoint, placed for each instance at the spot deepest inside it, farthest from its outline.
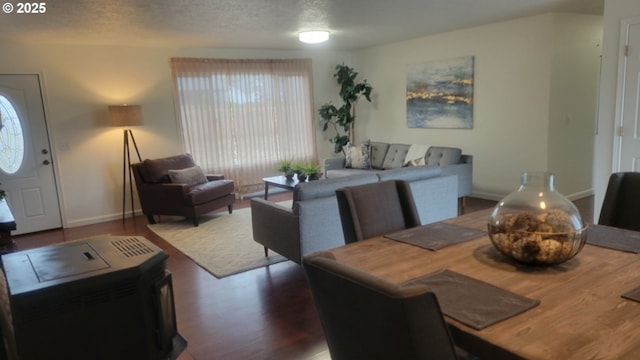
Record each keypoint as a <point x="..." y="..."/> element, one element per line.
<point x="357" y="157"/>
<point x="417" y="162"/>
<point x="188" y="176"/>
<point x="415" y="151"/>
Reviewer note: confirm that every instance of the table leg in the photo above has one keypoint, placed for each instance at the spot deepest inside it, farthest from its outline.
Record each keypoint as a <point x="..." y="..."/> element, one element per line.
<point x="266" y="190"/>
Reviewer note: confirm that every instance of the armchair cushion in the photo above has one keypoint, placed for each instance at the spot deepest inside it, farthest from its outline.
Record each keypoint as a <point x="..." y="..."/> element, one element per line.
<point x="208" y="191"/>
<point x="188" y="176"/>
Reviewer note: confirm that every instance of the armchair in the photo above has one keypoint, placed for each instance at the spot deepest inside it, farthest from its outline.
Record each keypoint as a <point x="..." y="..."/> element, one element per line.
<point x="176" y="186"/>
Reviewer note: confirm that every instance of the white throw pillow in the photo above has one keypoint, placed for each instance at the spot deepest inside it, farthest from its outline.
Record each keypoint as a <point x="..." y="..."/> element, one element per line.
<point x="357" y="157"/>
<point x="416" y="151"/>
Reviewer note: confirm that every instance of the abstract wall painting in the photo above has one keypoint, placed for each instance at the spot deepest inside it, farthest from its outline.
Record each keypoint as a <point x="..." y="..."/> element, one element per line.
<point x="440" y="94"/>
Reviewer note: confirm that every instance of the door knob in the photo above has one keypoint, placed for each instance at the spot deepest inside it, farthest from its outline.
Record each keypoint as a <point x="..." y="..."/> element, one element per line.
<point x="46" y="162"/>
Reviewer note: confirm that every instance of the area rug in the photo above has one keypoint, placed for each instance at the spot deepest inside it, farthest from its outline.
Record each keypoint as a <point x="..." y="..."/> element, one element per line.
<point x="222" y="244"/>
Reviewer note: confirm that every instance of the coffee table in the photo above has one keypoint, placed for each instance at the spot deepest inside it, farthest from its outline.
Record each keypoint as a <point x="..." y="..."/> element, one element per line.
<point x="279" y="182"/>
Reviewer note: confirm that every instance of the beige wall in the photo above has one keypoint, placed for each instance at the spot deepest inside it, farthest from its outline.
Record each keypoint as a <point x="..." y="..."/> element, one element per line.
<point x="614" y="12"/>
<point x="515" y="98"/>
<point x="575" y="69"/>
<point x="79" y="83"/>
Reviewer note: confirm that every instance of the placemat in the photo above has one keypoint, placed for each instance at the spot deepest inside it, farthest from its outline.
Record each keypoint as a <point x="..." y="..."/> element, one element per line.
<point x="473" y="302"/>
<point x="632" y="295"/>
<point x="437" y="235"/>
<point x="614" y="238"/>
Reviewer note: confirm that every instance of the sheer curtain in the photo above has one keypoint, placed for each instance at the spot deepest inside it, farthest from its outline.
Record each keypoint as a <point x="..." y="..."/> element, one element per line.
<point x="241" y="117"/>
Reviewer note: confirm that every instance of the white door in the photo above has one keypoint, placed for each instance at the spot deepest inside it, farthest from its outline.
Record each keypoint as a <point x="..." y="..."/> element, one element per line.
<point x="629" y="158"/>
<point x="26" y="169"/>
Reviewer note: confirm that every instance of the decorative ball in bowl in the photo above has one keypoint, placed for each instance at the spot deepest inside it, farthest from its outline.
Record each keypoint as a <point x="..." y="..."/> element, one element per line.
<point x="536" y="224"/>
<point x="539" y="239"/>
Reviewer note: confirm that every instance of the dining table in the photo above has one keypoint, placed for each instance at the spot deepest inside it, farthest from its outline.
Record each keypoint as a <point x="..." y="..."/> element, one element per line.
<point x="579" y="312"/>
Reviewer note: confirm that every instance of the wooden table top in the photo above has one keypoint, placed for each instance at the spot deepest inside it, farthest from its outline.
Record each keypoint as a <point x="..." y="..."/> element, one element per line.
<point x="581" y="313"/>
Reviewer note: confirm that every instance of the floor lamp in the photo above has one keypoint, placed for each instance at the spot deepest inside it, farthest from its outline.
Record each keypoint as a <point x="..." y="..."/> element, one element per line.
<point x="125" y="116"/>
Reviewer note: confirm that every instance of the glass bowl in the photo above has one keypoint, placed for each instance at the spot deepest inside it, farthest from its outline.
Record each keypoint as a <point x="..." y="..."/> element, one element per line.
<point x="536" y="224"/>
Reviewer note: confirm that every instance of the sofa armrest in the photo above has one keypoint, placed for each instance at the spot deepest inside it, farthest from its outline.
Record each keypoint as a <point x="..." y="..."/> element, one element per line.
<point x="214" y="177"/>
<point x="464" y="172"/>
<point x="276" y="227"/>
<point x="334" y="163"/>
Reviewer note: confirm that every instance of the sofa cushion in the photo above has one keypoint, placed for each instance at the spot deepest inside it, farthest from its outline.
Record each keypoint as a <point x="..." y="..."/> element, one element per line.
<point x="188" y="176"/>
<point x="327" y="187"/>
<point x="338" y="173"/>
<point x="395" y="156"/>
<point x="202" y="193"/>
<point x="157" y="170"/>
<point x="442" y="156"/>
<point x="357" y="157"/>
<point x="410" y="173"/>
<point x="378" y="152"/>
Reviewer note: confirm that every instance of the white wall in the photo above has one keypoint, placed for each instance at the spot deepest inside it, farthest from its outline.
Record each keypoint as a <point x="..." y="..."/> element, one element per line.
<point x="79" y="83"/>
<point x="614" y="12"/>
<point x="575" y="69"/>
<point x="513" y="91"/>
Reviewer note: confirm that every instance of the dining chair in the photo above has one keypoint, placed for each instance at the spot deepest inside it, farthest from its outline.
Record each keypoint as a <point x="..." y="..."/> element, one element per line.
<point x="365" y="317"/>
<point x="621" y="204"/>
<point x="376" y="209"/>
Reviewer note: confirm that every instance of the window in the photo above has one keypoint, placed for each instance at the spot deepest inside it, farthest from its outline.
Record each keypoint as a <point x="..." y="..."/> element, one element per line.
<point x="241" y="117"/>
<point x="11" y="138"/>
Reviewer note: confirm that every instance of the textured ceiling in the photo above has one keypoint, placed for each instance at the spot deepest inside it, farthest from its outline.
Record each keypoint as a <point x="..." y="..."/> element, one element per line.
<point x="264" y="24"/>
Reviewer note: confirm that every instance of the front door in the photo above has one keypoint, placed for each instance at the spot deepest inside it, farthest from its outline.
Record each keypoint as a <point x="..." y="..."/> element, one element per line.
<point x="629" y="159"/>
<point x="26" y="169"/>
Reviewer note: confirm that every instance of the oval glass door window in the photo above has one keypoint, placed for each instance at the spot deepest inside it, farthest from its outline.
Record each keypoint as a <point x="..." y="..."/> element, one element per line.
<point x="11" y="138"/>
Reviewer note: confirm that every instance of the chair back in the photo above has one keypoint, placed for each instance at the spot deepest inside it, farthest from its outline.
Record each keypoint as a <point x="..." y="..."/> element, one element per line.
<point x="365" y="317"/>
<point x="375" y="209"/>
<point x="621" y="204"/>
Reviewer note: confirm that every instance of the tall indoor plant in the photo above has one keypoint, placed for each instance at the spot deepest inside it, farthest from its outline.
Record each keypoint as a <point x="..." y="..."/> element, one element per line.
<point x="342" y="119"/>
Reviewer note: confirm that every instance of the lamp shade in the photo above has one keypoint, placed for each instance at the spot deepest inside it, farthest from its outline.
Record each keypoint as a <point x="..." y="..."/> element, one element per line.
<point x="125" y="115"/>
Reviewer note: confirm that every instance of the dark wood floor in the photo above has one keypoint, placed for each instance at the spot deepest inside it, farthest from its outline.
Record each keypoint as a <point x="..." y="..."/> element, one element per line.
<point x="265" y="313"/>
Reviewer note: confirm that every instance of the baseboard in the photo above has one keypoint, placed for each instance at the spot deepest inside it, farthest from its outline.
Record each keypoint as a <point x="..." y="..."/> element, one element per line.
<point x="98" y="219"/>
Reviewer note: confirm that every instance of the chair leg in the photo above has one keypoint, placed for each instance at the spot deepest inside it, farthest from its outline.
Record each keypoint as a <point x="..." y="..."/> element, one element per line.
<point x="151" y="219"/>
<point x="230" y="207"/>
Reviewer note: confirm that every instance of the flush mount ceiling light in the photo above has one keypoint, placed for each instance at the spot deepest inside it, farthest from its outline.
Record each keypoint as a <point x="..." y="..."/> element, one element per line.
<point x="313" y="37"/>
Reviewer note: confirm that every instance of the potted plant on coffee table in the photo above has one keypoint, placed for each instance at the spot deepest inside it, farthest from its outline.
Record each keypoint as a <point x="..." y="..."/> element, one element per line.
<point x="298" y="169"/>
<point x="311" y="170"/>
<point x="286" y="168"/>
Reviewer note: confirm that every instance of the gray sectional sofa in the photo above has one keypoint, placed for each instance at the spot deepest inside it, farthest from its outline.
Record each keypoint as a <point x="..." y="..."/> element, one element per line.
<point x="384" y="156"/>
<point x="312" y="223"/>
